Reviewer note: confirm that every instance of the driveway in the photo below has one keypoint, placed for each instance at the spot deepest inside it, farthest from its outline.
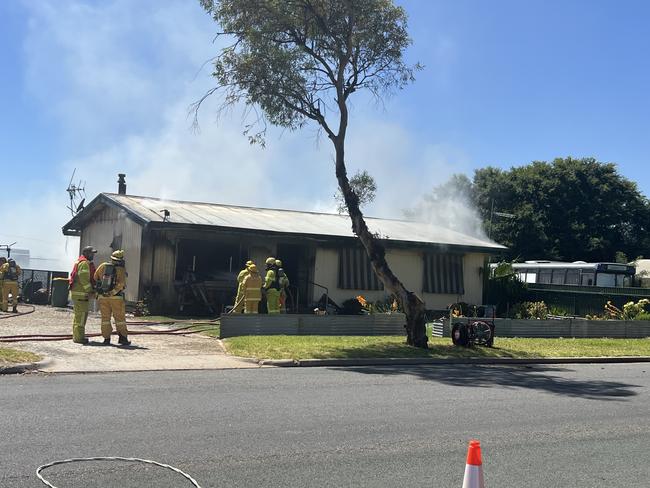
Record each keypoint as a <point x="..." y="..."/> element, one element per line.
<point x="146" y="353"/>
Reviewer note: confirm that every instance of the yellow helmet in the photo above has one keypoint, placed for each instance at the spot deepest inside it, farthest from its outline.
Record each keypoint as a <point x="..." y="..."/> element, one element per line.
<point x="249" y="262"/>
<point x="117" y="255"/>
<point x="252" y="268"/>
<point x="270" y="260"/>
<point x="278" y="263"/>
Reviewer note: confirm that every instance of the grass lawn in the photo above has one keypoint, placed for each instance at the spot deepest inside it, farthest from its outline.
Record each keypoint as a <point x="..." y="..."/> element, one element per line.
<point x="324" y="347"/>
<point x="13" y="356"/>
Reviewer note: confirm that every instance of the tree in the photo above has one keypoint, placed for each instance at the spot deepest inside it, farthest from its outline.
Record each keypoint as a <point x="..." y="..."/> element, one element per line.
<point x="568" y="209"/>
<point x="300" y="61"/>
<point x="364" y="187"/>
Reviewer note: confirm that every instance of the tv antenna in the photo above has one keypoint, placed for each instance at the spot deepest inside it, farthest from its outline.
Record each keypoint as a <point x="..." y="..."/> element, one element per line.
<point x="7" y="247"/>
<point x="77" y="194"/>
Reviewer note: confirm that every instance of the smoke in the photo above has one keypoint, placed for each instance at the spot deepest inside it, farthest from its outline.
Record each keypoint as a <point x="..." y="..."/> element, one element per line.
<point x="449" y="206"/>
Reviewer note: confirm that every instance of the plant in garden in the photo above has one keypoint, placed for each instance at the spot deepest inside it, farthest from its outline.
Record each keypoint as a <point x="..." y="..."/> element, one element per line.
<point x="531" y="310"/>
<point x="630" y="311"/>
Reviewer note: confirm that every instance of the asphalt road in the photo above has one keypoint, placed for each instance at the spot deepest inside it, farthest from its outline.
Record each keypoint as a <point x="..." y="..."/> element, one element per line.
<point x="573" y="426"/>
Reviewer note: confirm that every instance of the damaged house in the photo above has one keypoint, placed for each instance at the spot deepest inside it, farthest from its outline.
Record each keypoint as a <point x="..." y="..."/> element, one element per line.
<point x="185" y="256"/>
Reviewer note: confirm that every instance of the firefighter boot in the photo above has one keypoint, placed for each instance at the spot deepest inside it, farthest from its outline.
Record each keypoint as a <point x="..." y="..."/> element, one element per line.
<point x="123" y="340"/>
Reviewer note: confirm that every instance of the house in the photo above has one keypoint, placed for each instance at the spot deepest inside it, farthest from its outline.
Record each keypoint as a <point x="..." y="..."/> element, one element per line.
<point x="172" y="247"/>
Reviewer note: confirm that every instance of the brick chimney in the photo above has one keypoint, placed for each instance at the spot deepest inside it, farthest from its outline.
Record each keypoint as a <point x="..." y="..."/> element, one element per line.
<point x="121" y="184"/>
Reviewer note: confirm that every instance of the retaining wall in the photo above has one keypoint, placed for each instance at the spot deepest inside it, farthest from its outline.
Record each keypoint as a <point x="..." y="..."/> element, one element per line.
<point x="290" y="324"/>
<point x="578" y="328"/>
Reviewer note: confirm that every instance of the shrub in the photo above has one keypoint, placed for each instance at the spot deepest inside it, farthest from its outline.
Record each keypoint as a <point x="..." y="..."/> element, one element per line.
<point x="630" y="310"/>
<point x="531" y="310"/>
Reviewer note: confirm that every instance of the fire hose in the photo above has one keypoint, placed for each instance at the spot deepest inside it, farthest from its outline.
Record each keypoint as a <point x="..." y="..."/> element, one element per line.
<point x="115" y="458"/>
<point x="179" y="331"/>
<point x="18" y="314"/>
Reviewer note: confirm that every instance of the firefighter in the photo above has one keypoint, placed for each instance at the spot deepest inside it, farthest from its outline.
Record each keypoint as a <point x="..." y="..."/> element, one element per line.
<point x="272" y="287"/>
<point x="283" y="281"/>
<point x="252" y="290"/>
<point x="82" y="286"/>
<point x="111" y="283"/>
<point x="3" y="260"/>
<point x="10" y="272"/>
<point x="239" y="300"/>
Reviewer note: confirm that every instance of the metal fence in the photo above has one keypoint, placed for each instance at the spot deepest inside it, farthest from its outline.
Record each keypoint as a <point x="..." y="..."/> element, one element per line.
<point x="583" y="300"/>
<point x="299" y="324"/>
<point x="35" y="285"/>
<point x="577" y="328"/>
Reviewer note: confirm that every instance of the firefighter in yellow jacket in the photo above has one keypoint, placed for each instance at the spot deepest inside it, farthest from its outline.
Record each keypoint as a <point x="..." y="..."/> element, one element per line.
<point x="111" y="283"/>
<point x="82" y="290"/>
<point x="3" y="260"/>
<point x="239" y="300"/>
<point x="283" y="281"/>
<point x="9" y="273"/>
<point x="252" y="290"/>
<point x="272" y="287"/>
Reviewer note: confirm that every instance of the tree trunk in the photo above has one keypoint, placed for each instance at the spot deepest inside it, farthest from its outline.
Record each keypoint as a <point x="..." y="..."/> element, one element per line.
<point x="412" y="304"/>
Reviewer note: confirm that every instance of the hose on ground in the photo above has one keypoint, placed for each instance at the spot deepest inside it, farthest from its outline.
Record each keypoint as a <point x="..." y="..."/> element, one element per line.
<point x="18" y="314"/>
<point x="180" y="331"/>
<point x="111" y="458"/>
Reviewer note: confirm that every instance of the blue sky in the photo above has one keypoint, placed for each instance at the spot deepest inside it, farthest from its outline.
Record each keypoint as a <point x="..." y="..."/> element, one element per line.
<point x="104" y="87"/>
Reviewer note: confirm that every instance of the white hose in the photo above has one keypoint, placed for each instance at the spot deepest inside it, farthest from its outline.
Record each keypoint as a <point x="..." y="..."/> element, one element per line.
<point x="147" y="461"/>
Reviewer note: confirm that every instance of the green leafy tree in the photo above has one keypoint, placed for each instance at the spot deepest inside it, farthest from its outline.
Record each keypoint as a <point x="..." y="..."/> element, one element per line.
<point x="364" y="187"/>
<point x="299" y="62"/>
<point x="569" y="209"/>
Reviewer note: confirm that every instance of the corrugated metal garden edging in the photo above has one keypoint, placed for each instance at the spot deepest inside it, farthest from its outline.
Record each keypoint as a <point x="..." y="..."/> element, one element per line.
<point x="289" y="324"/>
<point x="578" y="328"/>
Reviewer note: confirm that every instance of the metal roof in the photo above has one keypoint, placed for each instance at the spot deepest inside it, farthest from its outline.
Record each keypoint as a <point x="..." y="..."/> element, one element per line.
<point x="150" y="210"/>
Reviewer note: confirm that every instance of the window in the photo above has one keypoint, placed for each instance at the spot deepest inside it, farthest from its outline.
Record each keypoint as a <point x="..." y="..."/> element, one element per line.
<point x="605" y="279"/>
<point x="558" y="276"/>
<point x="443" y="273"/>
<point x="531" y="276"/>
<point x="587" y="279"/>
<point x="573" y="277"/>
<point x="355" y="271"/>
<point x="544" y="276"/>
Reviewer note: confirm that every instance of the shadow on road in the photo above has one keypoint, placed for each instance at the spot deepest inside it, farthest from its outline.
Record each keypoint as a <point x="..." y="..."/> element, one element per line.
<point x="551" y="380"/>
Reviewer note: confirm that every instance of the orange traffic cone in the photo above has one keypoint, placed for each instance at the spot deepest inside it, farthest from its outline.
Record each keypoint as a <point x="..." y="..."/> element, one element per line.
<point x="474" y="467"/>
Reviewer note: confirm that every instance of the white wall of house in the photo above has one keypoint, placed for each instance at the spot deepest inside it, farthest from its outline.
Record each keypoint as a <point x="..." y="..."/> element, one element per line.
<point x="408" y="266"/>
<point x="111" y="226"/>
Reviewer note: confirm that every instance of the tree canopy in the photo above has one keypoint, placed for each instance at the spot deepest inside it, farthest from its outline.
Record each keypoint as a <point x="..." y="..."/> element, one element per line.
<point x="568" y="209"/>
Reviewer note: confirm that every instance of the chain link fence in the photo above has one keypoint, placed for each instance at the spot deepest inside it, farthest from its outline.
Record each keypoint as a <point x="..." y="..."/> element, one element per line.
<point x="36" y="285"/>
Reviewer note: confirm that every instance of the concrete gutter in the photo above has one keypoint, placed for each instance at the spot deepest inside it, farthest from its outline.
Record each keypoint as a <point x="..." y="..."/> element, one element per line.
<point x="436" y="361"/>
<point x="19" y="368"/>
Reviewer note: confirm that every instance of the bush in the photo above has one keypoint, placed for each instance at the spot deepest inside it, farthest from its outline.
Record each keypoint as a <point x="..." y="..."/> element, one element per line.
<point x="530" y="310"/>
<point x="643" y="316"/>
<point x="630" y="311"/>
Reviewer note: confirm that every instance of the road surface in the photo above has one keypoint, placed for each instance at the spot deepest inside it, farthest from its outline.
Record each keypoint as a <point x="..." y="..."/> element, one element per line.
<point x="559" y="426"/>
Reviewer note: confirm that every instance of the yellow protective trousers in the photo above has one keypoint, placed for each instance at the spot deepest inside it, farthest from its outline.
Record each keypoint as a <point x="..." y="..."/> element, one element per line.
<point x="239" y="299"/>
<point x="252" y="305"/>
<point x="273" y="300"/>
<point x="80" y="303"/>
<point x="7" y="288"/>
<point x="115" y="306"/>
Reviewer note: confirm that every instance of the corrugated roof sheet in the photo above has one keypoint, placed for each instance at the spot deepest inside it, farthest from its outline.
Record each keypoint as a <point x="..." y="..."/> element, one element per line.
<point x="290" y="221"/>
